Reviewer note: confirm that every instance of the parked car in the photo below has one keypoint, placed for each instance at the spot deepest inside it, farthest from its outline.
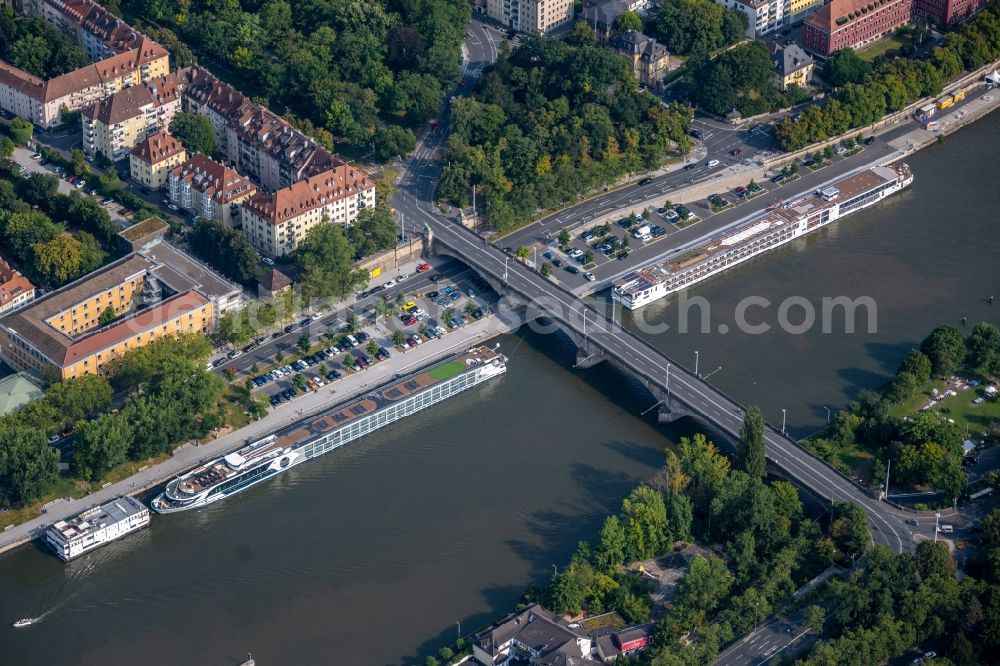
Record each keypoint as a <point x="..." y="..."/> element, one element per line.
<point x="690" y="167"/>
<point x="572" y="269"/>
<point x="736" y="152"/>
<point x="423" y="267"/>
<point x="235" y="353"/>
<point x="869" y="141"/>
<point x="267" y="260"/>
<point x="645" y="181"/>
<point x="590" y="276"/>
<point x="778" y="178"/>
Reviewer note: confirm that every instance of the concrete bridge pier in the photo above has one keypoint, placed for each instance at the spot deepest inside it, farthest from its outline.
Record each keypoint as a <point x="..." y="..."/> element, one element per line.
<point x="669" y="408"/>
<point x="587" y="355"/>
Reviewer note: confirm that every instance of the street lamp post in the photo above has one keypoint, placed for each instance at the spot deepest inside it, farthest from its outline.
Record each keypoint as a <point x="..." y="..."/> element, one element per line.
<point x="937" y="516"/>
<point x="459" y="629"/>
<point x="827" y="414"/>
<point x="695" y="362"/>
<point x="555" y="570"/>
<point x="668" y="384"/>
<point x="505" y="260"/>
<point x="782" y="421"/>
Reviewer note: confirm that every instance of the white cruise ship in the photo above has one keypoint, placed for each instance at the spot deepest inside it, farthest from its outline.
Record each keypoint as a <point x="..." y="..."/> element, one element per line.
<point x="765" y="231"/>
<point x="96" y="526"/>
<point x="260" y="460"/>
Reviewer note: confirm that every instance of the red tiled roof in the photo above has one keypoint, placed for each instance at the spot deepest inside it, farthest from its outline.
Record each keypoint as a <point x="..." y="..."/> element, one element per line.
<point x="141" y="323"/>
<point x="12" y="283"/>
<point x="157" y="148"/>
<point x="309" y="194"/>
<point x="212" y="179"/>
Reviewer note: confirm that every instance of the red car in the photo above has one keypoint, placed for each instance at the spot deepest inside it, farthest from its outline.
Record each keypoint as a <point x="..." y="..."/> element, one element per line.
<point x="737" y="152"/>
<point x="423" y="267"/>
<point x="436" y="125"/>
<point x="410" y="321"/>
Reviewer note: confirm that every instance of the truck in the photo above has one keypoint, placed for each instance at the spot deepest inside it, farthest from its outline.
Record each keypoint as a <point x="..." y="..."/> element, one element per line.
<point x="958" y="96"/>
<point x="925" y="112"/>
<point x="944" y="102"/>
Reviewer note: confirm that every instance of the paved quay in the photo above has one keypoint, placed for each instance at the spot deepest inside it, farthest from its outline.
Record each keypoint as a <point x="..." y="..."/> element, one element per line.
<point x="189" y="455"/>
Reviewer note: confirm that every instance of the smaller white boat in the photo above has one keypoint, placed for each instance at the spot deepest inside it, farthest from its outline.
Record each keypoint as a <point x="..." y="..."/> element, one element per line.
<point x="23" y="622"/>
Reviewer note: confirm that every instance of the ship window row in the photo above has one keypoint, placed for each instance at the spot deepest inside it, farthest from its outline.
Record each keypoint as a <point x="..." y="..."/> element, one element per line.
<point x="388" y="415"/>
<point x="245" y="479"/>
<point x="864" y="199"/>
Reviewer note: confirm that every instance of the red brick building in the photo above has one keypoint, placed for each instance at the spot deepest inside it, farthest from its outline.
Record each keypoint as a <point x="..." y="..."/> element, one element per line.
<point x="945" y="13"/>
<point x="854" y="23"/>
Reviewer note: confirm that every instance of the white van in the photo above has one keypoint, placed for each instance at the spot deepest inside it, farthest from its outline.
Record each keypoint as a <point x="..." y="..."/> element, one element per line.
<point x="946" y="529"/>
<point x="642" y="232"/>
<point x="352" y="340"/>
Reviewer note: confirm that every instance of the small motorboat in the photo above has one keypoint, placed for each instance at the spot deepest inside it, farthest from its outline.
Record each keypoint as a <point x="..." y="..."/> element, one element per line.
<point x="23" y="622"/>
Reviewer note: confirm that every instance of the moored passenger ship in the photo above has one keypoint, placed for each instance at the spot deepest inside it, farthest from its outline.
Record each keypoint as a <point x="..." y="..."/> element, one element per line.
<point x="265" y="458"/>
<point x="762" y="232"/>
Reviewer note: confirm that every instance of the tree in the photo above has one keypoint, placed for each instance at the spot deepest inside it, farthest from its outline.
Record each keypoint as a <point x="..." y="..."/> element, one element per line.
<point x="21" y="130"/>
<point x="32" y="54"/>
<point x="398" y="338"/>
<point x="393" y="141"/>
<point x="225" y="249"/>
<point x="564" y="238"/>
<point x="849" y="529"/>
<point x="522" y="253"/>
<point x="470" y="307"/>
<point x="6" y="148"/>
<point x="702" y="589"/>
<point x="324" y="256"/>
<point x="917" y="364"/>
<point x="382" y="308"/>
<point x="374" y="230"/>
<point x="372" y="348"/>
<point x="610" y="551"/>
<point x="627" y="21"/>
<point x="983" y="345"/>
<point x="904" y="385"/>
<point x="933" y="559"/>
<point x="299" y="381"/>
<point x="945" y="347"/>
<point x="564" y="595"/>
<point x="194" y="131"/>
<point x="304" y="343"/>
<point x="78" y="163"/>
<point x="814" y="616"/>
<point x="588" y="256"/>
<point x="102" y="445"/>
<point x="845" y="66"/>
<point x="59" y="260"/>
<point x="546" y="269"/>
<point x="644" y="521"/>
<point x="752" y="453"/>
<point x="28" y="465"/>
<point x="109" y="183"/>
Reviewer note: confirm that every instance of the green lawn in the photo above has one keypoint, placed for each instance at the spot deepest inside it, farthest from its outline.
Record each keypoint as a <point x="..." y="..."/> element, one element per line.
<point x="446" y="371"/>
<point x="881" y="48"/>
<point x="960" y="408"/>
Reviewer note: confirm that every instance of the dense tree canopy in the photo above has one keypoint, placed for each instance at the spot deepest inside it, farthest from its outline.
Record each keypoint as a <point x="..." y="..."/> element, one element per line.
<point x="325" y="257"/>
<point x="226" y="249"/>
<point x="37" y="47"/>
<point x="347" y="67"/>
<point x="845" y="66"/>
<point x="194" y="131"/>
<point x="550" y="121"/>
<point x="690" y="26"/>
<point x="740" y="78"/>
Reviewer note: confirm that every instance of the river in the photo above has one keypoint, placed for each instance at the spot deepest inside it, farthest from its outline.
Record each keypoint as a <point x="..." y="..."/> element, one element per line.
<point x="371" y="554"/>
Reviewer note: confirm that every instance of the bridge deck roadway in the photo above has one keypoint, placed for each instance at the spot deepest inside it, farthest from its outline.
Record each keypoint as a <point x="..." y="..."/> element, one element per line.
<point x="549" y="299"/>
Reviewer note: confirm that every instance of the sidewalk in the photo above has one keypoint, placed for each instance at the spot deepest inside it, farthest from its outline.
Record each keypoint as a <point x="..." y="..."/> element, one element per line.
<point x="189" y="455"/>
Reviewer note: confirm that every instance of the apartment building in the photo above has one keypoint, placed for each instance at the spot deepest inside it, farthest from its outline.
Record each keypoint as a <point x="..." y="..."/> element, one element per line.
<point x="259" y="144"/>
<point x="531" y="16"/>
<point x="15" y="289"/>
<point x="797" y="10"/>
<point x="276" y="223"/>
<point x="208" y="189"/>
<point x="123" y="57"/>
<point x="650" y="60"/>
<point x="154" y="158"/>
<point x="946" y="13"/>
<point x="763" y="16"/>
<point x="114" y="125"/>
<point x="853" y="24"/>
<point x="157" y="292"/>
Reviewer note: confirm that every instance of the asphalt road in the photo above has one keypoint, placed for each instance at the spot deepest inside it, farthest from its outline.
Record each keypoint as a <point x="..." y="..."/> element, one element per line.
<point x="781" y="637"/>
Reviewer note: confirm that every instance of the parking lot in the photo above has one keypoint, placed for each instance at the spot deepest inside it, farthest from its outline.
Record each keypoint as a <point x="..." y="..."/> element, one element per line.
<point x="387" y="321"/>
